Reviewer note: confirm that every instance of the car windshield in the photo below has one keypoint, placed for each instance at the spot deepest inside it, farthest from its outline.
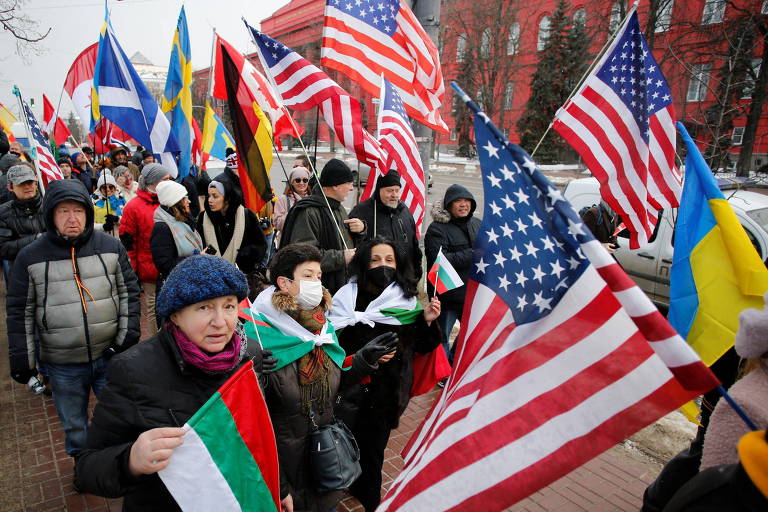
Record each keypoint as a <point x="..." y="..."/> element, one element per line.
<point x="760" y="216"/>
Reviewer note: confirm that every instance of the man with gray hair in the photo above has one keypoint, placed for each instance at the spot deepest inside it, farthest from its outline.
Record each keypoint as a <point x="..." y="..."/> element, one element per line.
<point x="135" y="232"/>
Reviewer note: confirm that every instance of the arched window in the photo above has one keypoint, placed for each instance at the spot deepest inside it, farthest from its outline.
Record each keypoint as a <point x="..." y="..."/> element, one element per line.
<point x="580" y="17"/>
<point x="544" y="27"/>
<point x="485" y="44"/>
<point x="615" y="18"/>
<point x="461" y="47"/>
<point x="513" y="43"/>
<point x="509" y="95"/>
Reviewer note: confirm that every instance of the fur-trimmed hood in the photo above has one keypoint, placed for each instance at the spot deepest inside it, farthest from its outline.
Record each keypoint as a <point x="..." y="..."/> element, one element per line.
<point x="439" y="211"/>
<point x="285" y="302"/>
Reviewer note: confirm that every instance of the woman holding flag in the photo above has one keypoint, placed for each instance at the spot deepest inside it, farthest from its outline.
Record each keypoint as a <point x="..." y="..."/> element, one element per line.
<point x="289" y="319"/>
<point x="381" y="298"/>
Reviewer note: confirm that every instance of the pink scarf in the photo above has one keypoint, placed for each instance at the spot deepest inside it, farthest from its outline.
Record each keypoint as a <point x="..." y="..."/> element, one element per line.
<point x="225" y="360"/>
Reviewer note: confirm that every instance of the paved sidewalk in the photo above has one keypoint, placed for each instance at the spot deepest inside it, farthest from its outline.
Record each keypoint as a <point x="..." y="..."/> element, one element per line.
<point x="36" y="473"/>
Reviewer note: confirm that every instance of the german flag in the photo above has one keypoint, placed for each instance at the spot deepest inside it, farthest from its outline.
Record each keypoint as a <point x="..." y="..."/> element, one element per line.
<point x="252" y="134"/>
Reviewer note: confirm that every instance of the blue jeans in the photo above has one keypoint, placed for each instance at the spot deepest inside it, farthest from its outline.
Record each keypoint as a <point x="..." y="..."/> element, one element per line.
<point x="71" y="385"/>
<point x="267" y="255"/>
<point x="446" y="321"/>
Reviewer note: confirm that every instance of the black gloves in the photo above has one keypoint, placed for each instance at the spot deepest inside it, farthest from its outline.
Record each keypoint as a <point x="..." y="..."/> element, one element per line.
<point x="210" y="250"/>
<point x="110" y="221"/>
<point x="268" y="363"/>
<point x="23" y="376"/>
<point x="377" y="347"/>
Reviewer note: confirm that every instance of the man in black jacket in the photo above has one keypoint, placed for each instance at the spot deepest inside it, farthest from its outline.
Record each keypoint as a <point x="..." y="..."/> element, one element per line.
<point x="386" y="215"/>
<point x="73" y="293"/>
<point x="454" y="229"/>
<point x="21" y="218"/>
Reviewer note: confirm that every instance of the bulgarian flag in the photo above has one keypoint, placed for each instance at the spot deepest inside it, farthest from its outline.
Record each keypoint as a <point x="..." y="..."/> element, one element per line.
<point x="442" y="275"/>
<point x="391" y="307"/>
<point x="229" y="457"/>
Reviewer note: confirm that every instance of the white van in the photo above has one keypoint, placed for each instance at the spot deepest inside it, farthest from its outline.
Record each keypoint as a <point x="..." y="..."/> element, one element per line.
<point x="649" y="265"/>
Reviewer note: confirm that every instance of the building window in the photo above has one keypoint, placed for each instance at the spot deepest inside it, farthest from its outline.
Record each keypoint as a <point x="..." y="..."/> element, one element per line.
<point x="461" y="47"/>
<point x="713" y="12"/>
<point x="513" y="43"/>
<point x="454" y="136"/>
<point x="749" y="80"/>
<point x="764" y="8"/>
<point x="665" y="16"/>
<point x="697" y="88"/>
<point x="485" y="44"/>
<point x="615" y="19"/>
<point x="580" y="17"/>
<point x="509" y="95"/>
<point x="544" y="27"/>
<point x="737" y="136"/>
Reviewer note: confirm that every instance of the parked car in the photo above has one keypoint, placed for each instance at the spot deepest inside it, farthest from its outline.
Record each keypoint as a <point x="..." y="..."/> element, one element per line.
<point x="650" y="265"/>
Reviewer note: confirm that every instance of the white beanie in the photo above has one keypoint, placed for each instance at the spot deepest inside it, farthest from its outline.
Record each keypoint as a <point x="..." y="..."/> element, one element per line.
<point x="169" y="193"/>
<point x="106" y="179"/>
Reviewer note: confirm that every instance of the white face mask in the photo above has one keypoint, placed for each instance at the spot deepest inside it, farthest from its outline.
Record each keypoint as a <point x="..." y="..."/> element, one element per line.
<point x="310" y="294"/>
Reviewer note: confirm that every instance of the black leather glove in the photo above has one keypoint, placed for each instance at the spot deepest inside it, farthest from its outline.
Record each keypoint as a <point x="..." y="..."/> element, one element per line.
<point x="268" y="363"/>
<point x="23" y="376"/>
<point x="110" y="221"/>
<point x="377" y="347"/>
<point x="210" y="250"/>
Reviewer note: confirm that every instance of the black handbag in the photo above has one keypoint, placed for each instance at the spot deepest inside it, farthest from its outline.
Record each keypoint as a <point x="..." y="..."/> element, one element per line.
<point x="334" y="456"/>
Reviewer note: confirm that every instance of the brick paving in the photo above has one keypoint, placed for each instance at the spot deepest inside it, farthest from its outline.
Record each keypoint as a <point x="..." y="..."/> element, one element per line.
<point x="36" y="473"/>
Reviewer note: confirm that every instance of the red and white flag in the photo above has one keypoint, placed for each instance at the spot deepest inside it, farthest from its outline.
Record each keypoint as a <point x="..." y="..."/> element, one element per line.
<point x="560" y="354"/>
<point x="367" y="38"/>
<point x="260" y="88"/>
<point x="301" y="85"/>
<point x="46" y="164"/>
<point x="54" y="126"/>
<point x="622" y="123"/>
<point x="79" y="81"/>
<point x="398" y="142"/>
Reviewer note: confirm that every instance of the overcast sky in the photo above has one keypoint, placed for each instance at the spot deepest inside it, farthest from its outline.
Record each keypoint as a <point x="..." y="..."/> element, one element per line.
<point x="140" y="25"/>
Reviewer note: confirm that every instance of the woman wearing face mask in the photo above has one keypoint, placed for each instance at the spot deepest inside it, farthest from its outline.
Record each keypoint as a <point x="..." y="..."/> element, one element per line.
<point x="229" y="229"/>
<point x="298" y="187"/>
<point x="381" y="298"/>
<point x="107" y="205"/>
<point x="291" y="322"/>
<point x="155" y="387"/>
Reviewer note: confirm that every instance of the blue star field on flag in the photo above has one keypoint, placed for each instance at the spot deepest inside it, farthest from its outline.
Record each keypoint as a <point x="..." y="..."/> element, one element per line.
<point x="273" y="51"/>
<point x="378" y="14"/>
<point x="633" y="74"/>
<point x="527" y="250"/>
<point x="34" y="128"/>
<point x="392" y="101"/>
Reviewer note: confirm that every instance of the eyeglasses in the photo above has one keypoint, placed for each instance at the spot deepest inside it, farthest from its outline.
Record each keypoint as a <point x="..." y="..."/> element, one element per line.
<point x="301" y="180"/>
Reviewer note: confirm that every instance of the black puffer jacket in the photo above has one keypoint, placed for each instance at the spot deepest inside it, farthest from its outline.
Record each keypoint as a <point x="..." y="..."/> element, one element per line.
<point x="44" y="301"/>
<point x="456" y="237"/>
<point x="143" y="385"/>
<point x="20" y="223"/>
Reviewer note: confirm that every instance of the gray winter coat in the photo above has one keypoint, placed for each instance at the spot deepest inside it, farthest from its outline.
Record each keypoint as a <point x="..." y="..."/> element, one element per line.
<point x="73" y="326"/>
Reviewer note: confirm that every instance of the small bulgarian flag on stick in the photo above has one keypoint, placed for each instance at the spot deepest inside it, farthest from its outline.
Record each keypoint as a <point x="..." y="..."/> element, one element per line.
<point x="442" y="275"/>
<point x="229" y="457"/>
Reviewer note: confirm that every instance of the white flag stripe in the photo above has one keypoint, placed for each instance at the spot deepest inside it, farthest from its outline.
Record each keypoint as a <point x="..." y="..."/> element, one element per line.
<point x="193" y="458"/>
<point x="367" y="73"/>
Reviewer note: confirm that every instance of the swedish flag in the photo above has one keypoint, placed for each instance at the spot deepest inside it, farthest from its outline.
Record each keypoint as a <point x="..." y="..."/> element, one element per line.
<point x="119" y="95"/>
<point x="177" y="97"/>
<point x="216" y="137"/>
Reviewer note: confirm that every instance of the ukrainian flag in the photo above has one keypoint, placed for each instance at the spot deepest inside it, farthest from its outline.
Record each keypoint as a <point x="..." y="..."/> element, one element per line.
<point x="177" y="97"/>
<point x="716" y="272"/>
<point x="216" y="137"/>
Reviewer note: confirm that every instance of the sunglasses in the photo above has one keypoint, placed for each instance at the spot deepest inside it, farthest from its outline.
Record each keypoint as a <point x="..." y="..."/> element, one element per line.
<point x="301" y="180"/>
<point x="108" y="187"/>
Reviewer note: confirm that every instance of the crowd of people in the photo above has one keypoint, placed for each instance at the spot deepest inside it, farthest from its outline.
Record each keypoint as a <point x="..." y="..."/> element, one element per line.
<point x="118" y="248"/>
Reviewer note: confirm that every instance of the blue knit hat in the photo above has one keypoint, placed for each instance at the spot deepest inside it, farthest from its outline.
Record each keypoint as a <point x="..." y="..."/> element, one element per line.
<point x="197" y="278"/>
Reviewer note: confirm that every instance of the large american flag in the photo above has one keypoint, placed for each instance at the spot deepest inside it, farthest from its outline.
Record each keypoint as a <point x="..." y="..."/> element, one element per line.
<point x="302" y="86"/>
<point x="398" y="142"/>
<point x="621" y="121"/>
<point x="46" y="164"/>
<point x="560" y="355"/>
<point x="365" y="38"/>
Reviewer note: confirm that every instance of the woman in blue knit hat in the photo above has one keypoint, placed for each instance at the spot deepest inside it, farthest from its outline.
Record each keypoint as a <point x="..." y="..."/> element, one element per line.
<point x="156" y="386"/>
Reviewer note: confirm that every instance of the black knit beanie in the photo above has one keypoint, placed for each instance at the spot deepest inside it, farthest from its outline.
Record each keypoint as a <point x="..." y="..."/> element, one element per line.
<point x="334" y="173"/>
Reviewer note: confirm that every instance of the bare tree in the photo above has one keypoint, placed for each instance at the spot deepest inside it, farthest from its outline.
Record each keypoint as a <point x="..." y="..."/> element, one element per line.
<point x="21" y="27"/>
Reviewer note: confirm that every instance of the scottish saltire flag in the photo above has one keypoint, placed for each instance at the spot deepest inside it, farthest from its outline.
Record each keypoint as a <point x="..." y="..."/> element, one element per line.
<point x="442" y="275"/>
<point x="560" y="355"/>
<point x="621" y="121"/>
<point x="716" y="272"/>
<point x="177" y="97"/>
<point x="229" y="457"/>
<point x="119" y="95"/>
<point x="216" y="137"/>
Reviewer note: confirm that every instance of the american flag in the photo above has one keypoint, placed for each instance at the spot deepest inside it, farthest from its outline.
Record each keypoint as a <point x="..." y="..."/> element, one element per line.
<point x="621" y="121"/>
<point x="365" y="38"/>
<point x="560" y="354"/>
<point x="303" y="86"/>
<point x="398" y="142"/>
<point x="46" y="164"/>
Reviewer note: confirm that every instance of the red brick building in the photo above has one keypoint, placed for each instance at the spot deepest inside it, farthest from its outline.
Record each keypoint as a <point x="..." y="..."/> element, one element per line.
<point x="512" y="32"/>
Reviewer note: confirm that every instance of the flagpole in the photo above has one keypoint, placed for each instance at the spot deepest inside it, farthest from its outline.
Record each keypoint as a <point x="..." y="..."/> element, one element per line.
<point x="210" y="73"/>
<point x="295" y="130"/>
<point x="588" y="71"/>
<point x="23" y="113"/>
